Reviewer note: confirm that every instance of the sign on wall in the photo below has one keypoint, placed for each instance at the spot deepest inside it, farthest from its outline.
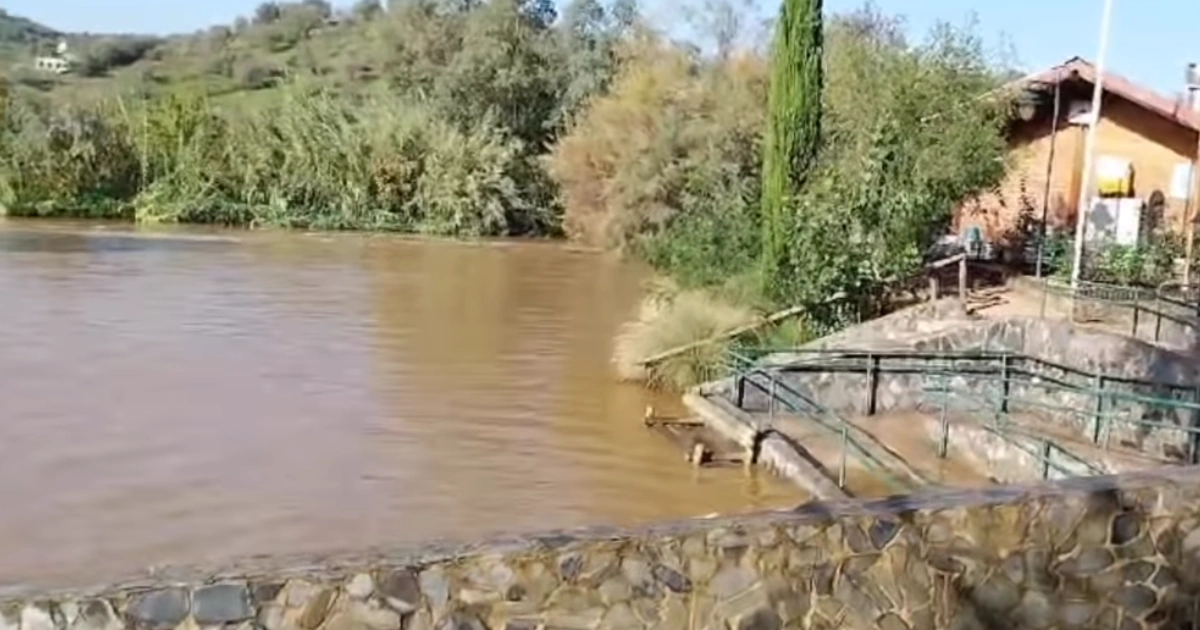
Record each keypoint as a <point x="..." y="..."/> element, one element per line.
<point x="1181" y="181"/>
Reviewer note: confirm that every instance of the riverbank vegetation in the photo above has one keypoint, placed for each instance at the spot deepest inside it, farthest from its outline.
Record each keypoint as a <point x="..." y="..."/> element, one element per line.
<point x="439" y="129"/>
<point x="905" y="136"/>
<point x="505" y="118"/>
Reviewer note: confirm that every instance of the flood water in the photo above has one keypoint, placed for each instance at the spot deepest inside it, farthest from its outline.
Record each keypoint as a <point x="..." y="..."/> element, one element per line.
<point x="188" y="397"/>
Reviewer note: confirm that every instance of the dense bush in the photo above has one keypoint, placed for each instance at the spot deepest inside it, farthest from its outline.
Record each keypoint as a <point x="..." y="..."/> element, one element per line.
<point x="117" y="52"/>
<point x="1148" y="263"/>
<point x="310" y="160"/>
<point x="674" y="144"/>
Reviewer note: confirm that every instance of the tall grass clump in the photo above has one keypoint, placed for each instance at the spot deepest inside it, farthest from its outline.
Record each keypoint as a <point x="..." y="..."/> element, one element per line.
<point x="311" y="159"/>
<point x="668" y="318"/>
<point x="318" y="160"/>
<point x="75" y="161"/>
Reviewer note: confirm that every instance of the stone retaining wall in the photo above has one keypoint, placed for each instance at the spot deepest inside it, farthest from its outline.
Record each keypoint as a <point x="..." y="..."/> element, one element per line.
<point x="1099" y="552"/>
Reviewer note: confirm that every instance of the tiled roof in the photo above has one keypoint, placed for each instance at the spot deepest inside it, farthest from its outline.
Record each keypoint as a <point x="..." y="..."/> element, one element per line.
<point x="1080" y="68"/>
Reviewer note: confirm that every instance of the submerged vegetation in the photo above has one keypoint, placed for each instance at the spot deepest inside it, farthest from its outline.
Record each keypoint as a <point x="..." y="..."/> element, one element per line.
<point x="753" y="183"/>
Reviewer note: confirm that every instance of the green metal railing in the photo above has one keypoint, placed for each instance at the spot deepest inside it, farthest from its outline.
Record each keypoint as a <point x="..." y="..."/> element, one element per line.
<point x="1098" y="401"/>
<point x="1144" y="304"/>
<point x="748" y="374"/>
<point x="1046" y="452"/>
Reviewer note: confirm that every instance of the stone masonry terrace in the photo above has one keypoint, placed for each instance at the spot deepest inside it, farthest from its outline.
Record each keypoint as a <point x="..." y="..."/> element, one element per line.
<point x="1097" y="552"/>
<point x="935" y="395"/>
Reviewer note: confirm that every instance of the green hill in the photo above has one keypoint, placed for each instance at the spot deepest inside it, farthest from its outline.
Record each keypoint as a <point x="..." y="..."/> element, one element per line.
<point x="347" y="48"/>
<point x="21" y="38"/>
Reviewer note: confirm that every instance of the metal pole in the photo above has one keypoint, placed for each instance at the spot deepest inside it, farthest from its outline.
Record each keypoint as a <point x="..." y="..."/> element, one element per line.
<point x="1189" y="210"/>
<point x="1090" y="145"/>
<point x="845" y="444"/>
<point x="1041" y="248"/>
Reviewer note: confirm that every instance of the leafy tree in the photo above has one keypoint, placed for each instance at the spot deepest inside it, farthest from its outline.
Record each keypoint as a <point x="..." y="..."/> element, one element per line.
<point x="267" y="13"/>
<point x="367" y="9"/>
<point x="588" y="37"/>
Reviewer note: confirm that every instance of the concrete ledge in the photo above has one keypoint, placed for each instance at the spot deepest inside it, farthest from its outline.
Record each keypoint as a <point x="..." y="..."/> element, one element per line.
<point x="775" y="451"/>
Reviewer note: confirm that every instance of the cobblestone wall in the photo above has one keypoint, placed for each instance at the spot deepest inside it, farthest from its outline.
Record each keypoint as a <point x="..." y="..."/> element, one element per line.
<point x="1100" y="552"/>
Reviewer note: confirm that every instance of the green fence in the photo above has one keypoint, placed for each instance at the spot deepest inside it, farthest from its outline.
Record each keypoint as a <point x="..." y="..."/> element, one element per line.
<point x="1009" y="382"/>
<point x="781" y="395"/>
<point x="1148" y="308"/>
<point x="1046" y="452"/>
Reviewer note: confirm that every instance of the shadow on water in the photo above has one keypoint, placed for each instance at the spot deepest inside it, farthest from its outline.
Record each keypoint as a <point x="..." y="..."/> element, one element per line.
<point x="99" y="242"/>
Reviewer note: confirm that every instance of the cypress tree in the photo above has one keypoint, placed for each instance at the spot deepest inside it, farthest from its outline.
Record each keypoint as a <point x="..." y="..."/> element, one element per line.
<point x="793" y="131"/>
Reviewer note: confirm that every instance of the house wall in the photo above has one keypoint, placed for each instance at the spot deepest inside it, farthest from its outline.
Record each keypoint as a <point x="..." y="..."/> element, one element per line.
<point x="1152" y="143"/>
<point x="997" y="213"/>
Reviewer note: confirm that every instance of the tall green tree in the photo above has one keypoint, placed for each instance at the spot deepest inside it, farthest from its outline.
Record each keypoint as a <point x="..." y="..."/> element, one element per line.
<point x="793" y="133"/>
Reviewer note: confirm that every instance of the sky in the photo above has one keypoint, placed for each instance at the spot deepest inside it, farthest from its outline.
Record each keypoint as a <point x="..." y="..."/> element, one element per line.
<point x="1151" y="41"/>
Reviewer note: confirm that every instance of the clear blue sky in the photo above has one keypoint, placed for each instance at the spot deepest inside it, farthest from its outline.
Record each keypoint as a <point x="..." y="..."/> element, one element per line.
<point x="1152" y="40"/>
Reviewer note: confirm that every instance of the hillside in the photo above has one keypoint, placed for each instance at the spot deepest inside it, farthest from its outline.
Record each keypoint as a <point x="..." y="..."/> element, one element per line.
<point x="22" y="38"/>
<point x="345" y="47"/>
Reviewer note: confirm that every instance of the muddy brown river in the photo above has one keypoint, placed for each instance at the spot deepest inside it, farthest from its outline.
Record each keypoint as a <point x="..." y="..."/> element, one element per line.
<point x="178" y="397"/>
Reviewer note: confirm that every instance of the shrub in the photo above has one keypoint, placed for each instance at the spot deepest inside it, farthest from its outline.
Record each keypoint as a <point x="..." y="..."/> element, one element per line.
<point x="116" y="53"/>
<point x="257" y="75"/>
<point x="673" y="137"/>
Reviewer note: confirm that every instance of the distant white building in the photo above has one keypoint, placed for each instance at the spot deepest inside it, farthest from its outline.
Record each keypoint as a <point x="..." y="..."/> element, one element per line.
<point x="59" y="63"/>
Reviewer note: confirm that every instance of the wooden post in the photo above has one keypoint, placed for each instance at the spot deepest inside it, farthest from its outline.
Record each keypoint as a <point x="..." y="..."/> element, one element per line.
<point x="933" y="288"/>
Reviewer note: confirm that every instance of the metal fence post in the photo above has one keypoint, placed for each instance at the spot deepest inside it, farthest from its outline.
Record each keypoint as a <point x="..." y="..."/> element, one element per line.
<point x="842" y="466"/>
<point x="1005" y="383"/>
<point x="944" y="438"/>
<point x="1098" y="415"/>
<point x="771" y="403"/>
<point x="1158" y="317"/>
<point x="741" y="390"/>
<point x="1194" y="456"/>
<point x="872" y="384"/>
<point x="1045" y="458"/>
<point x="1135" y="314"/>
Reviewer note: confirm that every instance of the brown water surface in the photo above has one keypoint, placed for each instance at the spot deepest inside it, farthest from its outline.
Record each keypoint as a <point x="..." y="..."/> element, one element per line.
<point x="182" y="397"/>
